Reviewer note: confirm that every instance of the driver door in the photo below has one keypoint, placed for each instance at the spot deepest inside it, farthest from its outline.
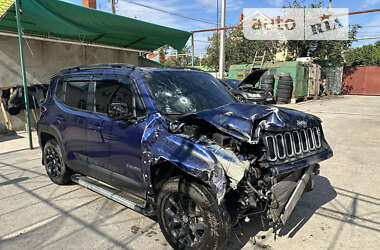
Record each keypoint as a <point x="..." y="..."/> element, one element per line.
<point x="125" y="146"/>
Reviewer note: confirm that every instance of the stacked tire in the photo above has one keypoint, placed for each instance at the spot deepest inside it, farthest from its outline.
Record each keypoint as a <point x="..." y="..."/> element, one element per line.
<point x="267" y="83"/>
<point x="284" y="88"/>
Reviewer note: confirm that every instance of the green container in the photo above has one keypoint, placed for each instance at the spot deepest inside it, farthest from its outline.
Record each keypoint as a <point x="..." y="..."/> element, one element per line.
<point x="239" y="72"/>
<point x="298" y="71"/>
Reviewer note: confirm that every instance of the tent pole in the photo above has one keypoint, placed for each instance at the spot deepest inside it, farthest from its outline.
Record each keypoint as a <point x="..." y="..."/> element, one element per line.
<point x="192" y="50"/>
<point x="19" y="30"/>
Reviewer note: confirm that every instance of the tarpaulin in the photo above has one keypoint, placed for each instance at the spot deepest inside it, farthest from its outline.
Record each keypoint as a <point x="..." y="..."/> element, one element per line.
<point x="58" y="19"/>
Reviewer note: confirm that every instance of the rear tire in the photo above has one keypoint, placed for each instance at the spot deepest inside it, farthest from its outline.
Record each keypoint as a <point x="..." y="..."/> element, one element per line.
<point x="281" y="100"/>
<point x="55" y="166"/>
<point x="285" y="87"/>
<point x="190" y="217"/>
<point x="285" y="83"/>
<point x="267" y="81"/>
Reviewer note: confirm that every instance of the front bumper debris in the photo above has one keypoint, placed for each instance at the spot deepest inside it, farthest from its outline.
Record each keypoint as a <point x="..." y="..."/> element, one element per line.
<point x="297" y="193"/>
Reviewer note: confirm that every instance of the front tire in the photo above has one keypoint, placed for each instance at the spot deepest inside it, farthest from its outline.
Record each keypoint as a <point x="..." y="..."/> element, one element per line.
<point x="54" y="164"/>
<point x="190" y="217"/>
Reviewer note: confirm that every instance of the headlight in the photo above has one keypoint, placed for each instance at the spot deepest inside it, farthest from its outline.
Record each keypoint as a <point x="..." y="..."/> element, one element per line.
<point x="218" y="171"/>
<point x="219" y="181"/>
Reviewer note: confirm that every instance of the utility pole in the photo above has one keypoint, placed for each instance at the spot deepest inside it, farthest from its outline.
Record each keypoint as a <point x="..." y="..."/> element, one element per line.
<point x="113" y="3"/>
<point x="221" y="49"/>
<point x="330" y="4"/>
<point x="192" y="49"/>
<point x="26" y="95"/>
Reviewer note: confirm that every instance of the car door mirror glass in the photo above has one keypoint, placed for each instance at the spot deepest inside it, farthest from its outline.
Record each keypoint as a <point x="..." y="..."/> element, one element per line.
<point x="119" y="111"/>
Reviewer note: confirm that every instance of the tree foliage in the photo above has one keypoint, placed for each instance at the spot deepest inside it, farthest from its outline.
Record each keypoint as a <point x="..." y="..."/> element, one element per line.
<point x="240" y="50"/>
<point x="365" y="55"/>
<point x="331" y="50"/>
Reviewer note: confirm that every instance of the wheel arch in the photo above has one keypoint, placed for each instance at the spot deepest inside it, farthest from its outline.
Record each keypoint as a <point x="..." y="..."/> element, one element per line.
<point x="164" y="169"/>
<point x="46" y="133"/>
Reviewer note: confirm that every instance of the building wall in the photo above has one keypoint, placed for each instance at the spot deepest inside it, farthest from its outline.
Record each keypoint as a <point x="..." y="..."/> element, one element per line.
<point x="43" y="59"/>
<point x="361" y="80"/>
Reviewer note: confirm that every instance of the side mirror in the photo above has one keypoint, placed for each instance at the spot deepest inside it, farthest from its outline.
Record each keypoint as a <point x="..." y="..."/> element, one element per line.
<point x="119" y="111"/>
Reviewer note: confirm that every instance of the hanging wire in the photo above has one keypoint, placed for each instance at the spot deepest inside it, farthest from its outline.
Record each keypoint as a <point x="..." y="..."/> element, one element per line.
<point x="169" y="12"/>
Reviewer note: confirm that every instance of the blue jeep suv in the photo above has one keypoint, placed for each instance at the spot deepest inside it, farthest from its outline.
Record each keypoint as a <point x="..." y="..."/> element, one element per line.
<point x="175" y="143"/>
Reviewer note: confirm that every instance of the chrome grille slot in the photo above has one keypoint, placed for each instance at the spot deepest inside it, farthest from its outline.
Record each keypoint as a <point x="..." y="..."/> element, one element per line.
<point x="317" y="133"/>
<point x="289" y="144"/>
<point x="304" y="141"/>
<point x="280" y="146"/>
<point x="297" y="142"/>
<point x="311" y="139"/>
<point x="272" y="155"/>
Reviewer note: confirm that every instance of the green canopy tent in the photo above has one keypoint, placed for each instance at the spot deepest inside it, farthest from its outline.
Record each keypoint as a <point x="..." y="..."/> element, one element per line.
<point x="58" y="19"/>
<point x="61" y="20"/>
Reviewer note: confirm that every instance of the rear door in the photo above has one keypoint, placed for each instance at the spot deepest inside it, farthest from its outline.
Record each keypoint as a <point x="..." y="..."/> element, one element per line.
<point x="72" y="98"/>
<point x="99" y="124"/>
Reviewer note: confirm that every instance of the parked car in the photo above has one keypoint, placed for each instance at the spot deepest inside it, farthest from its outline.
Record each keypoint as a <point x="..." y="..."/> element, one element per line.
<point x="245" y="90"/>
<point x="176" y="144"/>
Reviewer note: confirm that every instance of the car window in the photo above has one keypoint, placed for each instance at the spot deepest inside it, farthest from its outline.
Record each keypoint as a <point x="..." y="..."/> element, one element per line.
<point x="60" y="91"/>
<point x="103" y="94"/>
<point x="110" y="91"/>
<point x="77" y="95"/>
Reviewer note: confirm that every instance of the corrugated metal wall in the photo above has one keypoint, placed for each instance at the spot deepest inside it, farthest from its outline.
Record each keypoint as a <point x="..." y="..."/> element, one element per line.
<point x="334" y="79"/>
<point x="361" y="80"/>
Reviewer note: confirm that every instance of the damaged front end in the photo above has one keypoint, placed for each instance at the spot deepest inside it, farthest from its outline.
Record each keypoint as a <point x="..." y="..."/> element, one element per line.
<point x="268" y="154"/>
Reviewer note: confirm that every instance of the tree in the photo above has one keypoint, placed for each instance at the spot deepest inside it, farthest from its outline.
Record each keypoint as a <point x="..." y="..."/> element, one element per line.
<point x="238" y="49"/>
<point x="331" y="50"/>
<point x="365" y="55"/>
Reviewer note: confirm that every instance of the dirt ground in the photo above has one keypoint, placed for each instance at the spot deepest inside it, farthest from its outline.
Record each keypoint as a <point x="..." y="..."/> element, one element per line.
<point x="343" y="212"/>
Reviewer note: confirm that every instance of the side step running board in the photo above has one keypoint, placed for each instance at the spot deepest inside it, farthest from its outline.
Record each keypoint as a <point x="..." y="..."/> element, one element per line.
<point x="116" y="195"/>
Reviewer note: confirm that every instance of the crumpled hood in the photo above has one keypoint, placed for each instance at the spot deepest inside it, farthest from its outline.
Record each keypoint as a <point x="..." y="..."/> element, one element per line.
<point x="245" y="121"/>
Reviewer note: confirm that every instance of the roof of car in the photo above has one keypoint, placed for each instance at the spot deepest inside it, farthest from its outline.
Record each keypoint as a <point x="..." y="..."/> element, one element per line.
<point x="118" y="68"/>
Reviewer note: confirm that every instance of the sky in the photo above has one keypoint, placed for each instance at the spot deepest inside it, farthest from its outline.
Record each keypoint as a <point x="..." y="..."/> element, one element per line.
<point x="205" y="13"/>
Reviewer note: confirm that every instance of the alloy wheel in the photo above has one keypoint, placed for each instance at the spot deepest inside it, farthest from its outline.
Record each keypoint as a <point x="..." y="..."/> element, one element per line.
<point x="184" y="220"/>
<point x="53" y="162"/>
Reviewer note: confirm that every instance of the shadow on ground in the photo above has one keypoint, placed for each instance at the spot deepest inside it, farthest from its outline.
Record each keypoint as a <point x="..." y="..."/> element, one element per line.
<point x="306" y="207"/>
<point x="9" y="137"/>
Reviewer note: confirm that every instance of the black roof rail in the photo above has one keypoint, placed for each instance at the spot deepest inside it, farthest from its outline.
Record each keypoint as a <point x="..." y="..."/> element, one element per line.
<point x="189" y="68"/>
<point x="99" y="66"/>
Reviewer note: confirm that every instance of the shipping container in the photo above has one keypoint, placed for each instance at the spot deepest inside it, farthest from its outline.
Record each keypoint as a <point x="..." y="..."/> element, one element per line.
<point x="298" y="71"/>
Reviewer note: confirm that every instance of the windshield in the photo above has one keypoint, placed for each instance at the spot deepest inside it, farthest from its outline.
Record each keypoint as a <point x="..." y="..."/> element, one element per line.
<point x="183" y="92"/>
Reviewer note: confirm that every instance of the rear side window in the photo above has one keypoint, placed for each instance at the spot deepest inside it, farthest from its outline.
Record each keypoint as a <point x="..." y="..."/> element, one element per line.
<point x="77" y="95"/>
<point x="60" y="91"/>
